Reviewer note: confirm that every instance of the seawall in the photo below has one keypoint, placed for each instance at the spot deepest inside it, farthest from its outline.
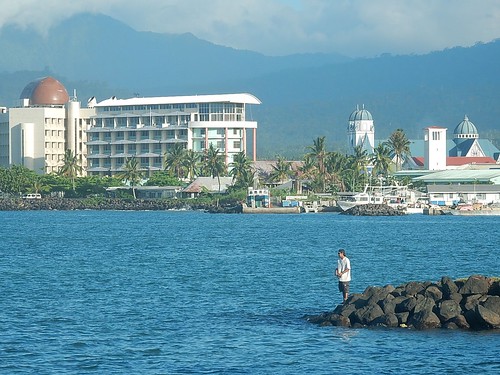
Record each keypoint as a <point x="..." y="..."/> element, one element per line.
<point x="472" y="303"/>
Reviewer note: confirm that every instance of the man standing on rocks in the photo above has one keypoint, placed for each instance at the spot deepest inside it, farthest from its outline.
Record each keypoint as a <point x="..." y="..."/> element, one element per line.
<point x="343" y="272"/>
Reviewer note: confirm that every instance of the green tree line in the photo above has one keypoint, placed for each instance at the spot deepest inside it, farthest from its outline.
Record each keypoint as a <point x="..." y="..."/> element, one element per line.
<point x="324" y="171"/>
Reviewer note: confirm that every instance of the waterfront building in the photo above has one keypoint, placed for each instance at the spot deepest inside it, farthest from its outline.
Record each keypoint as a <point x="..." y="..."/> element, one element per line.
<point x="148" y="128"/>
<point x="46" y="122"/>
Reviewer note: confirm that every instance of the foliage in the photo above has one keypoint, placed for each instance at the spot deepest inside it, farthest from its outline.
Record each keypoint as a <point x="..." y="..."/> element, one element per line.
<point x="399" y="144"/>
<point x="71" y="167"/>
<point x="282" y="170"/>
<point x="242" y="171"/>
<point x="132" y="173"/>
<point x="213" y="163"/>
<point x="163" y="178"/>
<point x="174" y="160"/>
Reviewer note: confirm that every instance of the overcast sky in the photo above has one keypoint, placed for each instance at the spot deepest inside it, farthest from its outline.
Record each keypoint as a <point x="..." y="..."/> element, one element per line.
<point x="281" y="27"/>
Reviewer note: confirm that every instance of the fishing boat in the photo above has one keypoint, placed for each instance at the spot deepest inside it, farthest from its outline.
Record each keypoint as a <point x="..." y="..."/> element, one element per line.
<point x="395" y="196"/>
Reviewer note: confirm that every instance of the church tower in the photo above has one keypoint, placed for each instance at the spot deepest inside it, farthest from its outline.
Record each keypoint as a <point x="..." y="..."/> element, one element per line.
<point x="360" y="131"/>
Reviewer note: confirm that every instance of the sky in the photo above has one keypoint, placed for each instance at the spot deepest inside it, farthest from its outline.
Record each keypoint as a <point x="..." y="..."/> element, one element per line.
<point x="355" y="28"/>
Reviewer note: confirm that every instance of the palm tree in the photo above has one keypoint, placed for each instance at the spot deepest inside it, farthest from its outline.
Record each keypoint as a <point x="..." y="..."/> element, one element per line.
<point x="335" y="164"/>
<point x="132" y="173"/>
<point x="215" y="163"/>
<point x="190" y="162"/>
<point x="174" y="160"/>
<point x="318" y="153"/>
<point x="399" y="144"/>
<point x="241" y="170"/>
<point x="381" y="159"/>
<point x="281" y="170"/>
<point x="71" y="167"/>
<point x="360" y="161"/>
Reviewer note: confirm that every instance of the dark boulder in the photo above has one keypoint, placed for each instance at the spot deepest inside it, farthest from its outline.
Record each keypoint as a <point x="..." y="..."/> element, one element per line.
<point x="386" y="320"/>
<point x="448" y="309"/>
<point x="413" y="288"/>
<point x="494" y="288"/>
<point x="475" y="284"/>
<point x="493" y="303"/>
<point x="448" y="287"/>
<point x="488" y="317"/>
<point x="367" y="314"/>
<point x="434" y="292"/>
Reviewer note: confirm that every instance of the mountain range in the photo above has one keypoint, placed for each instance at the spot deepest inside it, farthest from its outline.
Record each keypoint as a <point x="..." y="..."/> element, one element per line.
<point x="303" y="96"/>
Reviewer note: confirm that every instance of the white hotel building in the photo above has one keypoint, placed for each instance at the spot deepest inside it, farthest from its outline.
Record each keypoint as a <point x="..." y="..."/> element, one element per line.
<point x="148" y="128"/>
<point x="47" y="122"/>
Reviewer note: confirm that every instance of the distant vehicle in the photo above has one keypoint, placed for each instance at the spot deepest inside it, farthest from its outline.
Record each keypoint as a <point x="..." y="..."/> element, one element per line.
<point x="32" y="196"/>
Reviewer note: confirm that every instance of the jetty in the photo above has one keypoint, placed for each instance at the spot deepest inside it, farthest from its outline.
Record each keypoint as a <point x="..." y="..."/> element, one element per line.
<point x="472" y="303"/>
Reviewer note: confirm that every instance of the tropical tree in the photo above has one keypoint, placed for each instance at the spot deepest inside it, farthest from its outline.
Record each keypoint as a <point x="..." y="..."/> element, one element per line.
<point x="174" y="159"/>
<point x="214" y="163"/>
<point x="381" y="160"/>
<point x="132" y="173"/>
<point x="190" y="162"/>
<point x="162" y="178"/>
<point x="71" y="167"/>
<point x="399" y="144"/>
<point x="241" y="170"/>
<point x="282" y="170"/>
<point x="335" y="165"/>
<point x="318" y="153"/>
<point x="360" y="161"/>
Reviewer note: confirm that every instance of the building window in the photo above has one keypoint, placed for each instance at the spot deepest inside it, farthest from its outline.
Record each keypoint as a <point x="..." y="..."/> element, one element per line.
<point x="436" y="136"/>
<point x="237" y="144"/>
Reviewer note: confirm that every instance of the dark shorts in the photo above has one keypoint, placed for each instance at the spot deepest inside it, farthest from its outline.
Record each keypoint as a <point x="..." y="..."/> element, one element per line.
<point x="344" y="286"/>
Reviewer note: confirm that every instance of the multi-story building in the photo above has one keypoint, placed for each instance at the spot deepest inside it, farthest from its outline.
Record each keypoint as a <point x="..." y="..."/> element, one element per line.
<point x="148" y="128"/>
<point x="42" y="127"/>
<point x="47" y="122"/>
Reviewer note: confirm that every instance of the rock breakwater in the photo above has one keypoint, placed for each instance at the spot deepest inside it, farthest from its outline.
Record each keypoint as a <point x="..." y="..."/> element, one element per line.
<point x="372" y="210"/>
<point x="64" y="204"/>
<point x="472" y="303"/>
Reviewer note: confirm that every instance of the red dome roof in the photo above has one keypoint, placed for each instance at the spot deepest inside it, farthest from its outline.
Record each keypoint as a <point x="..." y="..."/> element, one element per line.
<point x="45" y="91"/>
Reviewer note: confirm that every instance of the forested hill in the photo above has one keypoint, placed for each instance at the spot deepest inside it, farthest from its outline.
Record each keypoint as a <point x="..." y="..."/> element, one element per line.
<point x="304" y="96"/>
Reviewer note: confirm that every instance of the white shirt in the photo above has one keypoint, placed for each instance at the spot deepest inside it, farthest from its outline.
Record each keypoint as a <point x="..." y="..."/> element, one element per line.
<point x="342" y="265"/>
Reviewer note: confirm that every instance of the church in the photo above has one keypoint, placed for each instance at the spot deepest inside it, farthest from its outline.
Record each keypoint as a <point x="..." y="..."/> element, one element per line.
<point x="464" y="148"/>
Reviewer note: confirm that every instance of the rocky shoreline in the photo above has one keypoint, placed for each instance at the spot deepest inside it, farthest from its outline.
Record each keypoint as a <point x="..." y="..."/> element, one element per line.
<point x="472" y="303"/>
<point x="68" y="204"/>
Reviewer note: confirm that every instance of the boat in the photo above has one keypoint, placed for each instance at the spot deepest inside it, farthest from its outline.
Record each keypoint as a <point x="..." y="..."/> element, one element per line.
<point x="395" y="196"/>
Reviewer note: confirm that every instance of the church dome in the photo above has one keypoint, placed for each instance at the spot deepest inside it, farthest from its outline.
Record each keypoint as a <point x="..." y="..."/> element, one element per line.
<point x="360" y="114"/>
<point x="465" y="130"/>
<point x="363" y="114"/>
<point x="466" y="127"/>
<point x="46" y="91"/>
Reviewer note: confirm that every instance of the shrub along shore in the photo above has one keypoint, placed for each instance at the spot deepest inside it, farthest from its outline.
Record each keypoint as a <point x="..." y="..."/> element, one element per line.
<point x="472" y="303"/>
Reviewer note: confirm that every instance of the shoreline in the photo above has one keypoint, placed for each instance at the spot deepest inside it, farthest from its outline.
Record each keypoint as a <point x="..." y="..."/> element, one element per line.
<point x="71" y="204"/>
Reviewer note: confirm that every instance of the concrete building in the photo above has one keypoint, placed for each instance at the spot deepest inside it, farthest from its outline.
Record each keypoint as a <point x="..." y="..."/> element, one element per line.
<point x="148" y="128"/>
<point x="47" y="122"/>
<point x="42" y="127"/>
<point x="435" y="148"/>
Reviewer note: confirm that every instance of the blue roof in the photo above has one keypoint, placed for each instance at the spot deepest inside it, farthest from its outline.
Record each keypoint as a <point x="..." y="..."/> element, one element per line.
<point x="417" y="146"/>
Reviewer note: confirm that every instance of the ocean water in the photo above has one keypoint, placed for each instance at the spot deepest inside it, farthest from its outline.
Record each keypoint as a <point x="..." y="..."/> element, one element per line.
<point x="110" y="292"/>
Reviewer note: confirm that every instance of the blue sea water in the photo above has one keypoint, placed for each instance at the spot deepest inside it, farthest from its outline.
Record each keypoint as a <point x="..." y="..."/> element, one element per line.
<point x="116" y="292"/>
